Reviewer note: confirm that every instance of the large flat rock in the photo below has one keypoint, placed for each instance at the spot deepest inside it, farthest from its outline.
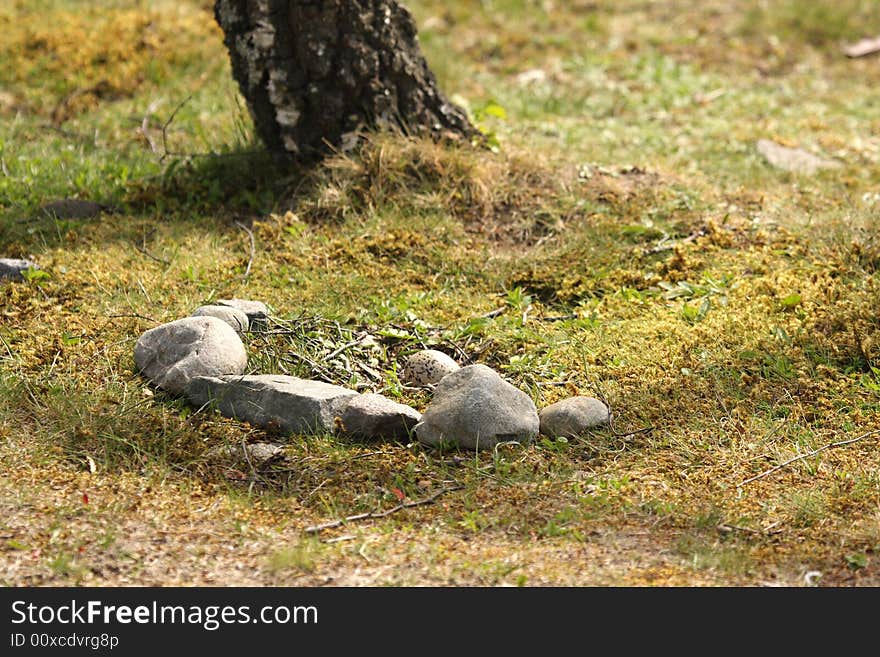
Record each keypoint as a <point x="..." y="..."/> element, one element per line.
<point x="284" y="403"/>
<point x="13" y="267"/>
<point x="375" y="417"/>
<point x="796" y="160"/>
<point x="72" y="208"/>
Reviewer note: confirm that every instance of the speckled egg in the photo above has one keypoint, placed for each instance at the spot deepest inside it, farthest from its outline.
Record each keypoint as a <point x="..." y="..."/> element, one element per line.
<point x="427" y="367"/>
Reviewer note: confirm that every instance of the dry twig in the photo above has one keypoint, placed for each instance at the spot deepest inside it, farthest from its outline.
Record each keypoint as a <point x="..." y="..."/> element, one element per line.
<point x="801" y="457"/>
<point x="247" y="271"/>
<point x="614" y="431"/>
<point x="135" y="315"/>
<point x="144" y="250"/>
<point x="314" y="529"/>
<point x="167" y="124"/>
<point x="492" y="314"/>
<point x="145" y="125"/>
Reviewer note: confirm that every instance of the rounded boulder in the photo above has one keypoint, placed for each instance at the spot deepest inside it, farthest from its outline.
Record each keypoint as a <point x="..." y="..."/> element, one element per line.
<point x="236" y="318"/>
<point x="573" y="416"/>
<point x="172" y="354"/>
<point x="475" y="408"/>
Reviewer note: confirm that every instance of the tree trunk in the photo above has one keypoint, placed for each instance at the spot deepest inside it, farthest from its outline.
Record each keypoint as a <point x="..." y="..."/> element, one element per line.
<point x="317" y="72"/>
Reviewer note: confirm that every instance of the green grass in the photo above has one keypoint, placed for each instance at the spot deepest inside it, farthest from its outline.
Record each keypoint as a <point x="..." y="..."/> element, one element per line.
<point x="639" y="246"/>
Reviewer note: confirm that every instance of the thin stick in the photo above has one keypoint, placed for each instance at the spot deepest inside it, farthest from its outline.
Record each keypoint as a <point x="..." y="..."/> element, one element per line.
<point x="558" y="318"/>
<point x="145" y="124"/>
<point x="64" y="133"/>
<point x="667" y="244"/>
<point x="150" y="255"/>
<point x="724" y="527"/>
<point x="333" y="354"/>
<point x="339" y="539"/>
<point x="308" y="361"/>
<point x="492" y="314"/>
<point x="135" y="315"/>
<point x="614" y="431"/>
<point x="247" y="272"/>
<point x="314" y="529"/>
<point x="6" y="344"/>
<point x="624" y="434"/>
<point x="247" y="457"/>
<point x="165" y="151"/>
<point x="368" y="454"/>
<point x="808" y="455"/>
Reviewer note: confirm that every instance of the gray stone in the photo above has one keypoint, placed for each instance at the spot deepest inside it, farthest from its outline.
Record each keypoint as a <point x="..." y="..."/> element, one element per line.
<point x="73" y="208"/>
<point x="427" y="367"/>
<point x="172" y="354"/>
<point x="255" y="453"/>
<point x="13" y="268"/>
<point x="793" y="159"/>
<point x="573" y="416"/>
<point x="236" y="318"/>
<point x="253" y="309"/>
<point x="272" y="401"/>
<point x="371" y="416"/>
<point x="475" y="408"/>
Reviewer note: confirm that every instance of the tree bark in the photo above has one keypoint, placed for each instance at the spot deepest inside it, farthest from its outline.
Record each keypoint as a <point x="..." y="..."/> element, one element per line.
<point x="315" y="73"/>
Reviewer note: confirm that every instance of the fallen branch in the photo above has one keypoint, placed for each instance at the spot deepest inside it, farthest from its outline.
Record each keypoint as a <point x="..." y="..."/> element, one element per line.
<point x="315" y="529"/>
<point x="801" y="457"/>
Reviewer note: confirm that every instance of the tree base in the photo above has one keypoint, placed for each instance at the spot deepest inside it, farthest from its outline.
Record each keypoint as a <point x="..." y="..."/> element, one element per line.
<point x="316" y="74"/>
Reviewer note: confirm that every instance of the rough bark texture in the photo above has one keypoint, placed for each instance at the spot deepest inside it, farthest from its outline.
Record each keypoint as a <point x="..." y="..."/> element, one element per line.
<point x="316" y="72"/>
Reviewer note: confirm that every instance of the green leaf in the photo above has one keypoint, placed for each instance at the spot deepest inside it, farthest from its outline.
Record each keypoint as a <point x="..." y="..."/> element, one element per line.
<point x="857" y="560"/>
<point x="791" y="301"/>
<point x="494" y="109"/>
<point x="32" y="275"/>
<point x="780" y="334"/>
<point x="690" y="314"/>
<point x="69" y="339"/>
<point x="394" y="333"/>
<point x="705" y="307"/>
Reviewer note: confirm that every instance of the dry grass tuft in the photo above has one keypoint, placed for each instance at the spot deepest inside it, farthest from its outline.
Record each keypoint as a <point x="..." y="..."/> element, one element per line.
<point x="95" y="53"/>
<point x="508" y="198"/>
